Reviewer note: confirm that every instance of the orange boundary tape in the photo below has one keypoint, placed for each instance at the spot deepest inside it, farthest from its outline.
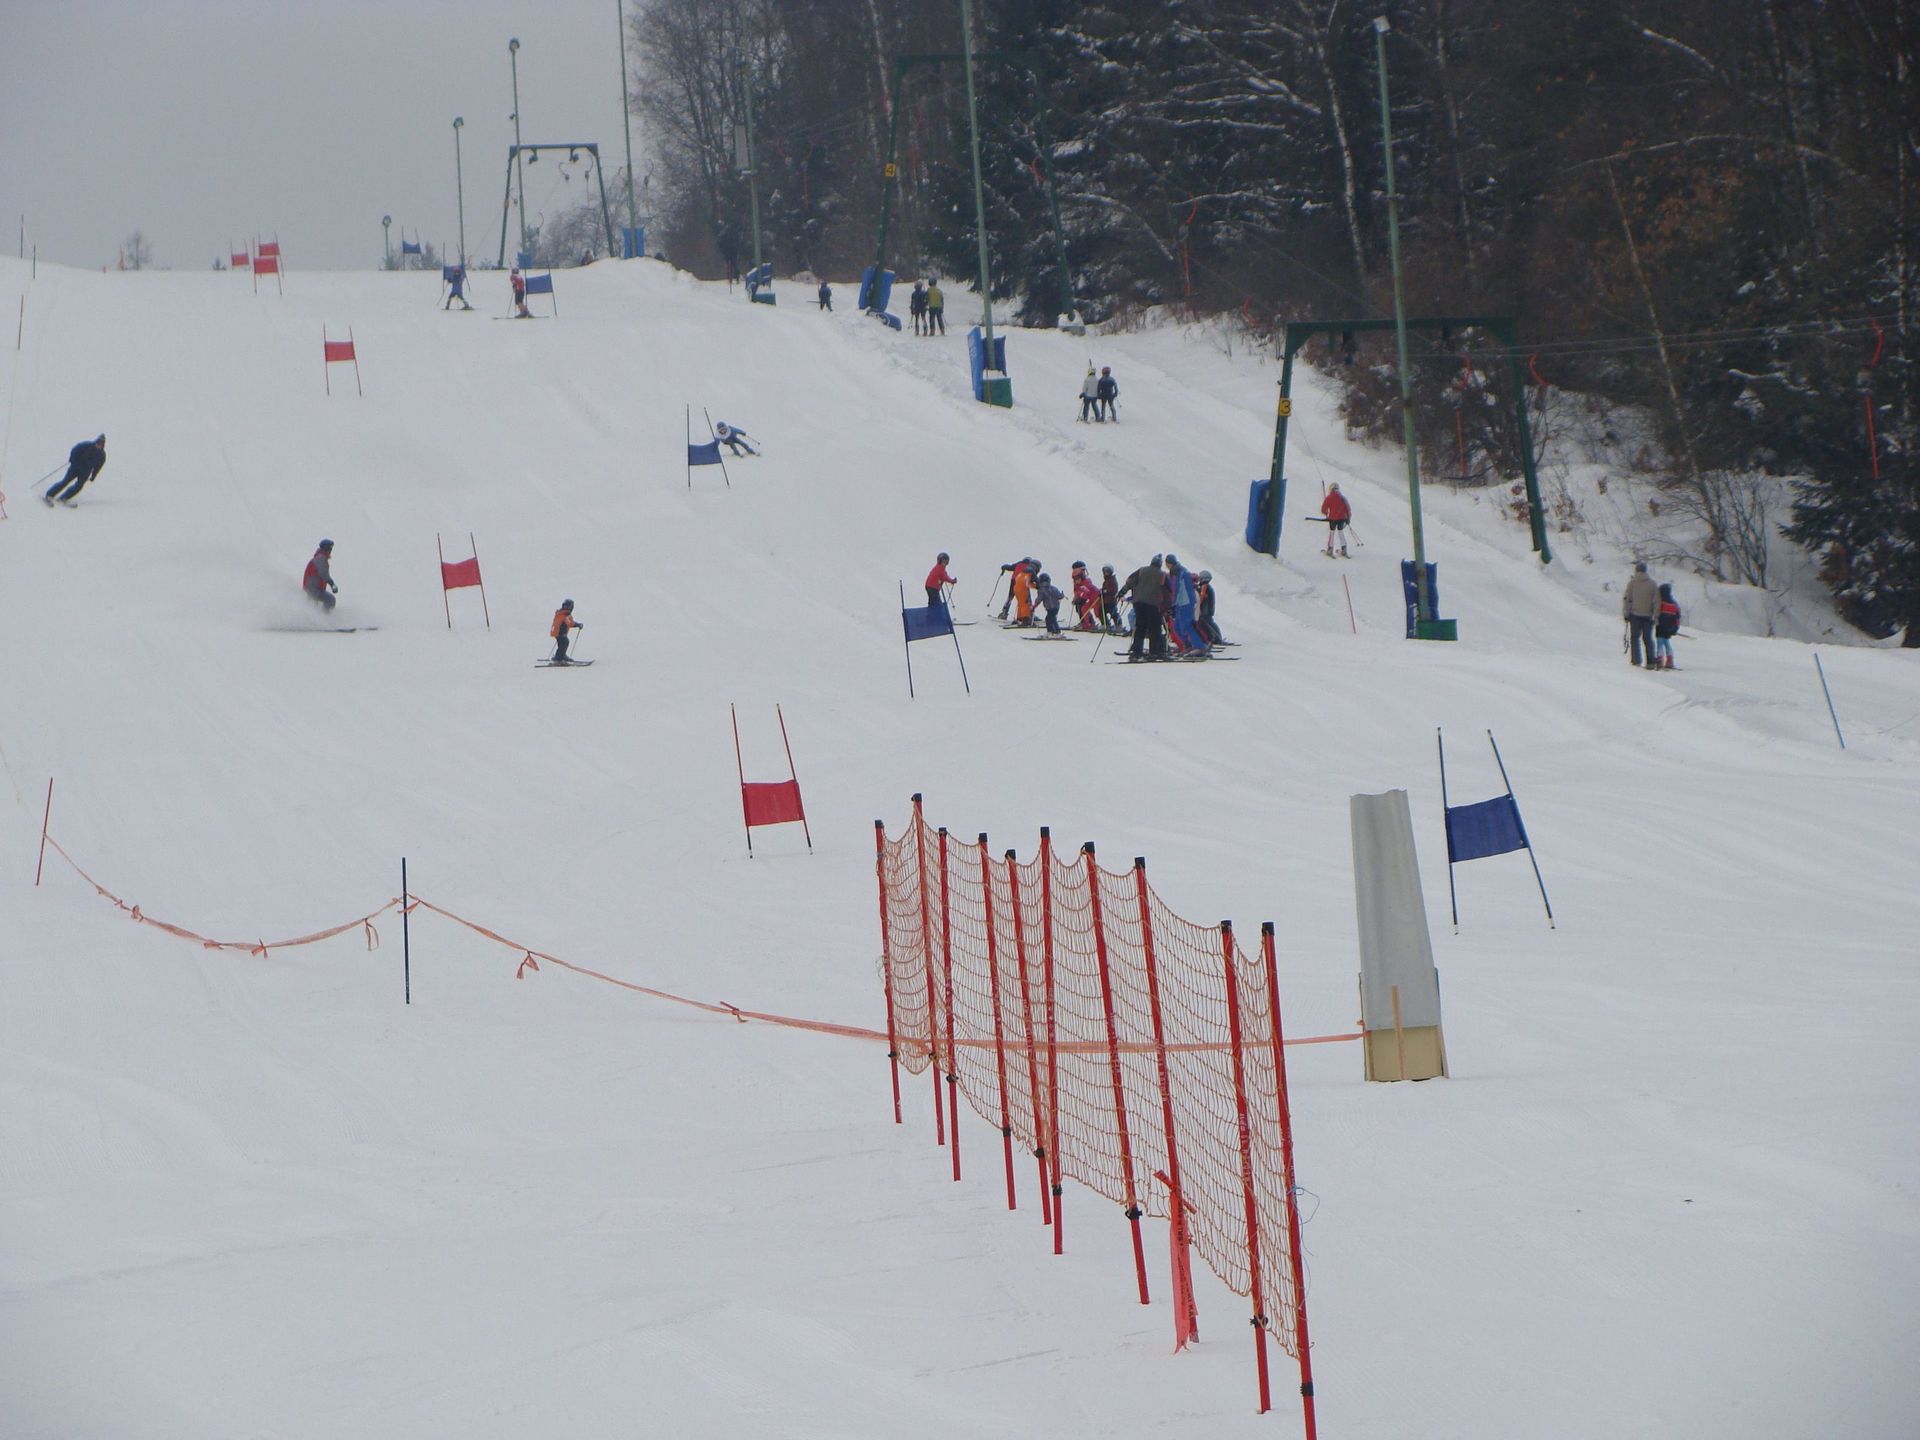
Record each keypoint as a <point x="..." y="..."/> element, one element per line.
<point x="532" y="959"/>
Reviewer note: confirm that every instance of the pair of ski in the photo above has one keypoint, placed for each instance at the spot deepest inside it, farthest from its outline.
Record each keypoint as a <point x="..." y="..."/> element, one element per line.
<point x="1196" y="658"/>
<point x="561" y="664"/>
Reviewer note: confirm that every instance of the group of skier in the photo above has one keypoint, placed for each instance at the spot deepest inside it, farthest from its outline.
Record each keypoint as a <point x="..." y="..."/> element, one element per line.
<point x="1172" y="607"/>
<point x="1653" y="619"/>
<point x="1097" y="396"/>
<point x="927" y="308"/>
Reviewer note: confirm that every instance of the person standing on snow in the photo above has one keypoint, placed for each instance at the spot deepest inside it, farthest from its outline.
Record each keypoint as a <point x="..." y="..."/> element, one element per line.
<point x="456" y="287"/>
<point x="318" y="579"/>
<point x="1049" y="596"/>
<point x="1666" y="625"/>
<point x="1089" y="397"/>
<point x="1109" y="600"/>
<point x="1105" y="393"/>
<point x="1203" y="616"/>
<point x="1086" y="596"/>
<point x="563" y="625"/>
<point x="1030" y="565"/>
<point x="1023" y="583"/>
<point x="917" y="305"/>
<point x="1337" y="512"/>
<point x="1639" y="607"/>
<point x="734" y="438"/>
<point x="1148" y="587"/>
<point x="1182" y="597"/>
<point x="936" y="308"/>
<point x="84" y="461"/>
<point x="519" y="284"/>
<point x="826" y="296"/>
<point x="938" y="578"/>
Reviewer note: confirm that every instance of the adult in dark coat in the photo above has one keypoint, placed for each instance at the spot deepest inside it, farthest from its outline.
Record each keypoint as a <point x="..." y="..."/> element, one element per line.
<point x="1148" y="588"/>
<point x="84" y="461"/>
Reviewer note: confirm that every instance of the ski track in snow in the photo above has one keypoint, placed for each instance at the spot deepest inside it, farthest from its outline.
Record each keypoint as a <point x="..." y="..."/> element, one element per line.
<point x="1669" y="1191"/>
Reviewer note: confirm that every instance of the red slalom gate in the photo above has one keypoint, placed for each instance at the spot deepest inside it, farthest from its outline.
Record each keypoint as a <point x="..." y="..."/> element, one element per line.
<point x="1145" y="1059"/>
<point x="770" y="802"/>
<point x="461" y="575"/>
<point x="339" y="352"/>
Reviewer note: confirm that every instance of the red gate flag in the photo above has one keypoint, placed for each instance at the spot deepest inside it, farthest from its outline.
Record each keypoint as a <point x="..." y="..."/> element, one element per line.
<point x="459" y="575"/>
<point x="241" y="260"/>
<point x="269" y="249"/>
<point x="769" y="802"/>
<point x="265" y="264"/>
<point x="339" y="352"/>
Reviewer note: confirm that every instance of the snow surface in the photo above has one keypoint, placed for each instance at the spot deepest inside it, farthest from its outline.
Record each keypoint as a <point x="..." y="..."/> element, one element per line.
<point x="1670" y="1189"/>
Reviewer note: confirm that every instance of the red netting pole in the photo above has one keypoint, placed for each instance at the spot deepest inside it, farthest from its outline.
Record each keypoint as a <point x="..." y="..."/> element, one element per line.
<point x="1245" y="1132"/>
<point x="886" y="960"/>
<point x="1113" y="1062"/>
<point x="1160" y="1050"/>
<point x="926" y="956"/>
<point x="999" y="1029"/>
<point x="1033" y="1060"/>
<point x="1283" y="1104"/>
<point x="1053" y="1049"/>
<point x="946" y="970"/>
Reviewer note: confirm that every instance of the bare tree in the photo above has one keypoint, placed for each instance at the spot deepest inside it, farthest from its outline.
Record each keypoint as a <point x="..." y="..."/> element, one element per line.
<point x="136" y="253"/>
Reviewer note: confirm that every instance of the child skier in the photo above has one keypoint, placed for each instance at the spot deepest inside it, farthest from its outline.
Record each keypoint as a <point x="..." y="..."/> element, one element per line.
<point x="1049" y="596"/>
<point x="1086" y="597"/>
<point x="1023" y="580"/>
<point x="917" y="306"/>
<point x="563" y="625"/>
<point x="318" y="579"/>
<point x="519" y="284"/>
<point x="734" y="438"/>
<point x="1105" y="394"/>
<point x="826" y="296"/>
<point x="1203" y="617"/>
<point x="1030" y="565"/>
<point x="1666" y="624"/>
<point x="1110" y="601"/>
<point x="938" y="578"/>
<point x="456" y="287"/>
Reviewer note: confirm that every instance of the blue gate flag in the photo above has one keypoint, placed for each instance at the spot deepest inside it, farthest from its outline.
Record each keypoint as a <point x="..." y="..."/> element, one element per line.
<point x="707" y="454"/>
<point x="1492" y="827"/>
<point x="539" y="284"/>
<point x="926" y="622"/>
<point x="409" y="247"/>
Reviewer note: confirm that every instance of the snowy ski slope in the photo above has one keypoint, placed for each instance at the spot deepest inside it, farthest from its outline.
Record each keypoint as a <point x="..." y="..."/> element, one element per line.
<point x="1669" y="1190"/>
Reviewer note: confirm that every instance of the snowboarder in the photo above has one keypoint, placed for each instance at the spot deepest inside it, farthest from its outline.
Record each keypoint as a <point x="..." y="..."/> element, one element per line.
<point x="1639" y="607"/>
<point x="318" y="579"/>
<point x="1337" y="512"/>
<point x="563" y="625"/>
<point x="936" y="309"/>
<point x="826" y="296"/>
<point x="1666" y="624"/>
<point x="1049" y="596"/>
<point x="1110" y="600"/>
<point x="734" y="438"/>
<point x="1203" y="616"/>
<point x="1106" y="393"/>
<point x="938" y="578"/>
<point x="1090" y="397"/>
<point x="456" y="287"/>
<point x="84" y="461"/>
<point x="1148" y="587"/>
<point x="917" y="306"/>
<point x="519" y="284"/>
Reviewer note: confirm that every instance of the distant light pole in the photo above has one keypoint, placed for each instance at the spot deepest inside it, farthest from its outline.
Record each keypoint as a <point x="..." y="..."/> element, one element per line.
<point x="1423" y="601"/>
<point x="519" y="173"/>
<point x="386" y="238"/>
<point x="460" y="189"/>
<point x="626" y="114"/>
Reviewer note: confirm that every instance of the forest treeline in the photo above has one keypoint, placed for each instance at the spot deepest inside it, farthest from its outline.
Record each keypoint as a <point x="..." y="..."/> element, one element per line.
<point x="1705" y="210"/>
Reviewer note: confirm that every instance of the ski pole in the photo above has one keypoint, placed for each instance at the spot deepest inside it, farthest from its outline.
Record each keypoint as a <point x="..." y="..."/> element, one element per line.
<point x="993" y="593"/>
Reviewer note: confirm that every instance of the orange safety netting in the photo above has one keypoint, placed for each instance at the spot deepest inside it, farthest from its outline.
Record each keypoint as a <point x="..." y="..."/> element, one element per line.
<point x="1135" y="1051"/>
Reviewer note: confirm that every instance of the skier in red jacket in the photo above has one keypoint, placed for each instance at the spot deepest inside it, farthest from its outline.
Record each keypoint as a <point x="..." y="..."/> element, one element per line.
<point x="1338" y="513"/>
<point x="318" y="579"/>
<point x="938" y="578"/>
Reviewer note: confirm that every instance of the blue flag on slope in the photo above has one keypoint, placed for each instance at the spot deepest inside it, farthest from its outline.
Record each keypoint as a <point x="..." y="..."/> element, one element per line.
<point x="707" y="454"/>
<point x="539" y="284"/>
<point x="409" y="247"/>
<point x="926" y="622"/>
<point x="1492" y="827"/>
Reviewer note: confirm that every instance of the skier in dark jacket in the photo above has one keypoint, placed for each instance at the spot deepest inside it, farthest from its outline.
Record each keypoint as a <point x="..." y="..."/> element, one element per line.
<point x="318" y="580"/>
<point x="1048" y="594"/>
<point x="1148" y="587"/>
<point x="826" y="296"/>
<point x="917" y="305"/>
<point x="1106" y="392"/>
<point x="1666" y="625"/>
<point x="456" y="287"/>
<point x="1203" y="617"/>
<point x="1110" y="601"/>
<point x="84" y="461"/>
<point x="734" y="438"/>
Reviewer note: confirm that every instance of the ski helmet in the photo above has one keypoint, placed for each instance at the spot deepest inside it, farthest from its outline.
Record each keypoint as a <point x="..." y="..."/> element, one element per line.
<point x="944" y="557"/>
<point x="326" y="544"/>
<point x="566" y="604"/>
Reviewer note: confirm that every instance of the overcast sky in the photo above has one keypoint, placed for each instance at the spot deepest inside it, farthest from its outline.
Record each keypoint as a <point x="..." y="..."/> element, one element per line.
<point x="204" y="122"/>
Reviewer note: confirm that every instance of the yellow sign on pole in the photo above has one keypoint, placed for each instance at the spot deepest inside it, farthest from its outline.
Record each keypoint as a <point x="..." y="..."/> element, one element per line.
<point x="1286" y="406"/>
<point x="891" y="170"/>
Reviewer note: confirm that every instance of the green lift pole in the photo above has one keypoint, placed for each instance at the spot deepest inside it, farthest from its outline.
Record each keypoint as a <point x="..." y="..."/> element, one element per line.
<point x="1423" y="601"/>
<point x="979" y="190"/>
